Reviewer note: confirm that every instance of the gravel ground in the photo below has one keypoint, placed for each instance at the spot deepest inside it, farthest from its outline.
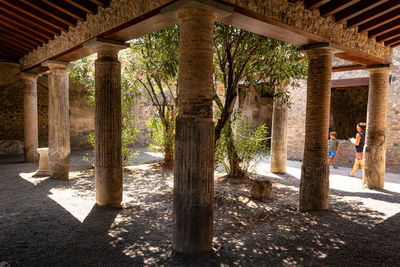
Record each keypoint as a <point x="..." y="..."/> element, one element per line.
<point x="45" y="222"/>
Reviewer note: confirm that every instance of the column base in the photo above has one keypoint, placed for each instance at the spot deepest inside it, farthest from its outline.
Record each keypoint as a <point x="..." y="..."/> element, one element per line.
<point x="193" y="225"/>
<point x="278" y="161"/>
<point x="314" y="187"/>
<point x="108" y="184"/>
<point x="374" y="166"/>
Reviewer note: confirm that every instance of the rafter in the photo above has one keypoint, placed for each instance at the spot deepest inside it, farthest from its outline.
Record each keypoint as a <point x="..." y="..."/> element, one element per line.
<point x="85" y="5"/>
<point x="4" y="39"/>
<point x="14" y="27"/>
<point x="394" y="24"/>
<point x="388" y="35"/>
<point x="67" y="8"/>
<point x="356" y="9"/>
<point x="17" y="41"/>
<point x="373" y="13"/>
<point x="393" y="41"/>
<point x="32" y="28"/>
<point x="333" y="7"/>
<point x="51" y="11"/>
<point x="314" y="4"/>
<point x="375" y="23"/>
<point x="20" y="36"/>
<point x="102" y="3"/>
<point x="29" y="11"/>
<point x="30" y="21"/>
<point x="394" y="45"/>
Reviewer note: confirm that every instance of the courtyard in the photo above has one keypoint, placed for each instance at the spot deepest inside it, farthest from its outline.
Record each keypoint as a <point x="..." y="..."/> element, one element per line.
<point x="48" y="222"/>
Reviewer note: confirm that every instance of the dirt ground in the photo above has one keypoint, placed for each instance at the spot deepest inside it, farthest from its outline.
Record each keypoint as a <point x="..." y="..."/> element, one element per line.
<point x="46" y="222"/>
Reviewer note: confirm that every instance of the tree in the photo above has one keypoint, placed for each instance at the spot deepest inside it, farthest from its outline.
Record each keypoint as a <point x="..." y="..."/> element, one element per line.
<point x="242" y="56"/>
<point x="156" y="70"/>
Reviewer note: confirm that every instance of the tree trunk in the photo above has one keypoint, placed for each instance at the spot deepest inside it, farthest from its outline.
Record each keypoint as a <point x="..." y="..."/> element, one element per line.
<point x="168" y="155"/>
<point x="233" y="158"/>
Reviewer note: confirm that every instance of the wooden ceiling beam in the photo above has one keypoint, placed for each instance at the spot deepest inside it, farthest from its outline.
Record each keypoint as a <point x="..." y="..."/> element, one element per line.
<point x="356" y="9"/>
<point x="18" y="41"/>
<point x="388" y="35"/>
<point x="30" y="21"/>
<point x="51" y="11"/>
<point x="29" y="34"/>
<point x="373" y="13"/>
<point x="6" y="53"/>
<point x="314" y="4"/>
<point x="393" y="40"/>
<point x="14" y="44"/>
<point x="67" y="8"/>
<point x="85" y="5"/>
<point x="31" y="27"/>
<point x="333" y="7"/>
<point x="394" y="45"/>
<point x="19" y="35"/>
<point x="14" y="48"/>
<point x="375" y="23"/>
<point x="392" y="25"/>
<point x="347" y="67"/>
<point x="102" y="3"/>
<point x="29" y="11"/>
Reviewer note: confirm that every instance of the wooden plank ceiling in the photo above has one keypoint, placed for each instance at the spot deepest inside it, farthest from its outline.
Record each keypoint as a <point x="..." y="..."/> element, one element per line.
<point x="27" y="24"/>
<point x="380" y="19"/>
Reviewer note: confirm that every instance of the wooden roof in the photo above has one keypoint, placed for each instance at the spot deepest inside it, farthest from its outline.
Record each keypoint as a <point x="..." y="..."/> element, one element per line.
<point x="379" y="18"/>
<point x="27" y="24"/>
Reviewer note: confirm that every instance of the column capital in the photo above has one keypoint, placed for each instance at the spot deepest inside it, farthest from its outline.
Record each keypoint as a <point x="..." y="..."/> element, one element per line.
<point x="383" y="68"/>
<point x="54" y="64"/>
<point x="28" y="75"/>
<point x="220" y="9"/>
<point x="105" y="47"/>
<point x="321" y="48"/>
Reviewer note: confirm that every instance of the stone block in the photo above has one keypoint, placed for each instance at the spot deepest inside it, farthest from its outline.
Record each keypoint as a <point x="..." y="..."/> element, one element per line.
<point x="261" y="189"/>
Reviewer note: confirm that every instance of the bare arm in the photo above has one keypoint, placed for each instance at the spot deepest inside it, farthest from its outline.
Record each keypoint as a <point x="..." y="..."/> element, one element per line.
<point x="358" y="139"/>
<point x="337" y="150"/>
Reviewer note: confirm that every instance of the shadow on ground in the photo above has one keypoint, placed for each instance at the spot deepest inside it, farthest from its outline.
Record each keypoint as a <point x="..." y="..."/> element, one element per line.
<point x="44" y="223"/>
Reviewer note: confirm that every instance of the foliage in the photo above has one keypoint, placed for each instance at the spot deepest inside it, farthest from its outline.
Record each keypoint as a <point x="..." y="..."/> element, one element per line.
<point x="249" y="141"/>
<point x="254" y="60"/>
<point x="83" y="71"/>
<point x="156" y="70"/>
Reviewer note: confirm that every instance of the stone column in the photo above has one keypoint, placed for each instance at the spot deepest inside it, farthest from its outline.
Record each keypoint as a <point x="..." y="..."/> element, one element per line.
<point x="59" y="130"/>
<point x="314" y="182"/>
<point x="279" y="136"/>
<point x="375" y="148"/>
<point x="29" y="84"/>
<point x="108" y="129"/>
<point x="194" y="139"/>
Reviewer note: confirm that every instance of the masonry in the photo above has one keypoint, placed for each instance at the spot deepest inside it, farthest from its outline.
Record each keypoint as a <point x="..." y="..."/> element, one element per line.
<point x="349" y="106"/>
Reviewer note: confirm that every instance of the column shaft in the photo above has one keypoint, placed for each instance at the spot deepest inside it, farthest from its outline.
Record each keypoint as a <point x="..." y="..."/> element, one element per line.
<point x="108" y="163"/>
<point x="314" y="183"/>
<point x="29" y="83"/>
<point x="375" y="148"/>
<point x="59" y="130"/>
<point x="194" y="139"/>
<point x="279" y="136"/>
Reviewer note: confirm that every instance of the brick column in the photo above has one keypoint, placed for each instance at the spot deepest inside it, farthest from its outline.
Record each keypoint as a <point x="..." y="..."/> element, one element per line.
<point x="108" y="128"/>
<point x="375" y="148"/>
<point x="314" y="183"/>
<point x="279" y="136"/>
<point x="29" y="84"/>
<point x="59" y="130"/>
<point x="194" y="139"/>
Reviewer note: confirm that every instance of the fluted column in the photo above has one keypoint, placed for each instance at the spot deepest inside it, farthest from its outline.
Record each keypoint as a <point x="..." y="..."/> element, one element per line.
<point x="279" y="136"/>
<point x="108" y="128"/>
<point x="314" y="182"/>
<point x="375" y="147"/>
<point x="194" y="139"/>
<point x="59" y="130"/>
<point x="29" y="85"/>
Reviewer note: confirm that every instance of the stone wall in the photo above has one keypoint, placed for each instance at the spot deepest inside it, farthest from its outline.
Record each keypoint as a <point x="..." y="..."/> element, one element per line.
<point x="296" y="117"/>
<point x="255" y="107"/>
<point x="144" y="110"/>
<point x="12" y="113"/>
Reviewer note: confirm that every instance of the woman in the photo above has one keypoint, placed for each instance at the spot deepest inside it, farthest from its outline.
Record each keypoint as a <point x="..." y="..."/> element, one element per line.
<point x="359" y="144"/>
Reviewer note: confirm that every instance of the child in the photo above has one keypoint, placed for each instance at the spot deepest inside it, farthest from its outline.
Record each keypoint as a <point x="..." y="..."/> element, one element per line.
<point x="359" y="144"/>
<point x="333" y="148"/>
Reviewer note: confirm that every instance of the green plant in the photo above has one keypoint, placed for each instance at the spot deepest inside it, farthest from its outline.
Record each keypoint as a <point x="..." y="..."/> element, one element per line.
<point x="163" y="140"/>
<point x="83" y="71"/>
<point x="249" y="142"/>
